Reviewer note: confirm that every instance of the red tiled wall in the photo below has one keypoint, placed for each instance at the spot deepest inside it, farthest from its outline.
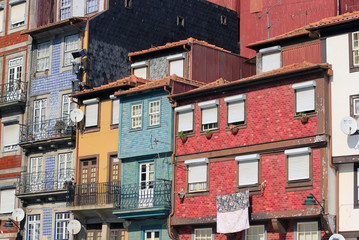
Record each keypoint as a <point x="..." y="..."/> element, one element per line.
<point x="270" y="112"/>
<point x="223" y="179"/>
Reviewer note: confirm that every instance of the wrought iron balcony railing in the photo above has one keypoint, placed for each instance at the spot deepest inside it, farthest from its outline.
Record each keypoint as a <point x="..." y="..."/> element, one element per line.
<point x="92" y="194"/>
<point x="13" y="92"/>
<point x="145" y="195"/>
<point x="45" y="181"/>
<point x="47" y="129"/>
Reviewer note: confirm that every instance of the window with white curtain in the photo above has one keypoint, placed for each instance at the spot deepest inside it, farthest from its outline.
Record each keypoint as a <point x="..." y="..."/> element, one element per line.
<point x="235" y="109"/>
<point x="185" y="118"/>
<point x="43" y="57"/>
<point x="248" y="169"/>
<point x="7" y="201"/>
<point x="197" y="174"/>
<point x="209" y="111"/>
<point x="91" y="116"/>
<point x="298" y="163"/>
<point x="304" y="96"/>
<point x="17" y="13"/>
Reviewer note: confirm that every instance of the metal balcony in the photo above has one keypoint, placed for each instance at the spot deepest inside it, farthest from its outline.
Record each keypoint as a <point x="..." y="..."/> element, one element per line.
<point x="92" y="194"/>
<point x="53" y="129"/>
<point x="13" y="96"/>
<point x="48" y="183"/>
<point x="145" y="195"/>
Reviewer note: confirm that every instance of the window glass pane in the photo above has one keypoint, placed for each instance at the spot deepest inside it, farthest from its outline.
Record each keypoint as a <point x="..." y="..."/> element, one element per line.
<point x="136" y="116"/>
<point x="307" y="231"/>
<point x="203" y="234"/>
<point x="154" y="110"/>
<point x="43" y="56"/>
<point x="70" y="45"/>
<point x="91" y="6"/>
<point x="255" y="233"/>
<point x="65" y="9"/>
<point x="355" y="39"/>
<point x="115" y="111"/>
<point x="356" y="106"/>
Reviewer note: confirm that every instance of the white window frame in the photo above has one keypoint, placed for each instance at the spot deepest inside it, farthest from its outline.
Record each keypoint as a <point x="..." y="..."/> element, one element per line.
<point x="136" y="116"/>
<point x="95" y="103"/>
<point x="203" y="238"/>
<point x="8" y="203"/>
<point x="247" y="162"/>
<point x="183" y="113"/>
<point x="153" y="234"/>
<point x="355" y="49"/>
<point x="248" y="234"/>
<point x="154" y="112"/>
<point x="305" y="88"/>
<point x="43" y="55"/>
<point x="138" y="66"/>
<point x="65" y="10"/>
<point x="271" y="55"/>
<point x="206" y="108"/>
<point x="91" y="7"/>
<point x="292" y="156"/>
<point x="35" y="222"/>
<point x="194" y="186"/>
<point x="71" y="42"/>
<point x="61" y="221"/>
<point x="314" y="237"/>
<point x="233" y="103"/>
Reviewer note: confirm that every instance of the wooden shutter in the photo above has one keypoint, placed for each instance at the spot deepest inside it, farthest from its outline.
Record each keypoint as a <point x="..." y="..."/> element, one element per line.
<point x="7" y="201"/>
<point x="298" y="166"/>
<point x="236" y="112"/>
<point x="18" y="13"/>
<point x="271" y="61"/>
<point x="115" y="111"/>
<point x="92" y="115"/>
<point x="176" y="67"/>
<point x="11" y="135"/>
<point x="305" y="99"/>
<point x="197" y="173"/>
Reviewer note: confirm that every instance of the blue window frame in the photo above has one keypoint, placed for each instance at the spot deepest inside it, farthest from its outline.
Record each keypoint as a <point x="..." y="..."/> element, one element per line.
<point x="61" y="222"/>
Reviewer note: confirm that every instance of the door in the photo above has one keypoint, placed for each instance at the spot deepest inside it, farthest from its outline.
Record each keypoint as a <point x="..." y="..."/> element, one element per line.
<point x="64" y="168"/>
<point x="147" y="173"/>
<point x="39" y="118"/>
<point x="36" y="174"/>
<point x="13" y="88"/>
<point x="87" y="192"/>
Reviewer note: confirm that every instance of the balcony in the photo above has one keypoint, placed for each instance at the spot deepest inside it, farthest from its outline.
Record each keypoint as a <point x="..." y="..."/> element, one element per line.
<point x="47" y="134"/>
<point x="145" y="199"/>
<point x="44" y="186"/>
<point x="13" y="96"/>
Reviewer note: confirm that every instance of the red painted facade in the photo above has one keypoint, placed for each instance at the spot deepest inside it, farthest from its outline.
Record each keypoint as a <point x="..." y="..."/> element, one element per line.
<point x="309" y="52"/>
<point x="271" y="123"/>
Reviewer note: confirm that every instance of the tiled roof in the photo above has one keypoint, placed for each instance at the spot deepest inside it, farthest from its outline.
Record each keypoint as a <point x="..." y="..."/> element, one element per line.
<point x="296" y="67"/>
<point x="159" y="83"/>
<point x="131" y="80"/>
<point x="176" y="44"/>
<point x="306" y="29"/>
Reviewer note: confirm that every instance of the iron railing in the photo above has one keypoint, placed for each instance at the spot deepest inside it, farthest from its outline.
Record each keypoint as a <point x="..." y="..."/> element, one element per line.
<point x="45" y="181"/>
<point x="92" y="194"/>
<point x="47" y="129"/>
<point x="145" y="195"/>
<point x="13" y="92"/>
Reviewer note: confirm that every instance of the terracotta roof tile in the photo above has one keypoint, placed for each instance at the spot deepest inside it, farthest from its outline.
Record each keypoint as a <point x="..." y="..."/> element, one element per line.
<point x="127" y="81"/>
<point x="306" y="29"/>
<point x="159" y="83"/>
<point x="176" y="44"/>
<point x="276" y="72"/>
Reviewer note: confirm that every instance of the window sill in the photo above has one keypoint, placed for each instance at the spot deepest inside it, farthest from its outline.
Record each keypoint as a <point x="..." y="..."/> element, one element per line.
<point x="114" y="126"/>
<point x="299" y="185"/>
<point x="239" y="126"/>
<point x="196" y="194"/>
<point x="354" y="69"/>
<point x="154" y="126"/>
<point x="44" y="73"/>
<point x="187" y="134"/>
<point x="92" y="129"/>
<point x="211" y="131"/>
<point x="308" y="114"/>
<point x="135" y="129"/>
<point x="253" y="189"/>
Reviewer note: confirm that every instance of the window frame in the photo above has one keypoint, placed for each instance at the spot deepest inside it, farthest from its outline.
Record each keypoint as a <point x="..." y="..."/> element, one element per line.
<point x="64" y="52"/>
<point x="301" y="86"/>
<point x="93" y="101"/>
<point x="128" y="4"/>
<point x="16" y="67"/>
<point x="48" y="56"/>
<point x="7" y="122"/>
<point x="202" y="228"/>
<point x="352" y="67"/>
<point x="267" y="52"/>
<point x="67" y="235"/>
<point x="139" y="65"/>
<point x="61" y="8"/>
<point x="87" y="7"/>
<point x="151" y="114"/>
<point x="209" y="105"/>
<point x="37" y="223"/>
<point x="197" y="162"/>
<point x="245" y="232"/>
<point x="299" y="184"/>
<point x="113" y="98"/>
<point x="356" y="185"/>
<point x="11" y="27"/>
<point x="296" y="232"/>
<point x="177" y="57"/>
<point x="8" y="211"/>
<point x="234" y="100"/>
<point x="253" y="188"/>
<point x="185" y="109"/>
<point x="141" y="116"/>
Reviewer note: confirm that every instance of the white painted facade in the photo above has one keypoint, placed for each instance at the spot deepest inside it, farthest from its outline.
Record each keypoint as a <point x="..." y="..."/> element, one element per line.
<point x="343" y="85"/>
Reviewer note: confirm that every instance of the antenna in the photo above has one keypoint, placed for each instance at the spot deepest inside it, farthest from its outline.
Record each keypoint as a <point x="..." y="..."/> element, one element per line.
<point x="267" y="12"/>
<point x="306" y="12"/>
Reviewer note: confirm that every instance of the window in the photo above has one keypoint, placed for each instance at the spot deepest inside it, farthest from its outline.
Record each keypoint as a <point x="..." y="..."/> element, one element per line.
<point x="356" y="185"/>
<point x="67" y="107"/>
<point x="180" y="21"/>
<point x="92" y="112"/>
<point x="154" y="113"/>
<point x="13" y="87"/>
<point x="299" y="170"/>
<point x="39" y="118"/>
<point x="136" y="116"/>
<point x="17" y="13"/>
<point x="197" y="174"/>
<point x="115" y="110"/>
<point x="11" y="134"/>
<point x="62" y="220"/>
<point x="235" y="109"/>
<point x="304" y="96"/>
<point x="64" y="169"/>
<point x="140" y="69"/>
<point x="94" y="235"/>
<point x="307" y="231"/>
<point x="128" y="3"/>
<point x="209" y="114"/>
<point x="33" y="227"/>
<point x="271" y="58"/>
<point x="1" y="18"/>
<point x="65" y="9"/>
<point x="176" y="64"/>
<point x="36" y="174"/>
<point x="223" y="20"/>
<point x="43" y="57"/>
<point x="202" y="234"/>
<point x="7" y="201"/>
<point x="70" y="45"/>
<point x="91" y="6"/>
<point x="354" y="106"/>
<point x="152" y="235"/>
<point x="255" y="232"/>
<point x="117" y="234"/>
<point x="355" y="50"/>
<point x="248" y="170"/>
<point x="185" y="118"/>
